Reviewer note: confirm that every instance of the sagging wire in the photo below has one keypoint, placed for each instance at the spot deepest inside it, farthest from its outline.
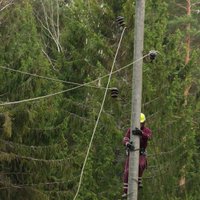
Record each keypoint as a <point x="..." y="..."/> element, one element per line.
<point x="99" y="115"/>
<point x="47" y="78"/>
<point x="32" y="147"/>
<point x="37" y="184"/>
<point x="165" y="152"/>
<point x="13" y="155"/>
<point x="70" y="89"/>
<point x="150" y="54"/>
<point x="161" y="170"/>
<point x="174" y="188"/>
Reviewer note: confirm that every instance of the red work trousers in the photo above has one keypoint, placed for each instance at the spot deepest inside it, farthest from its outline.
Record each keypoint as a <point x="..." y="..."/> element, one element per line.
<point x="142" y="167"/>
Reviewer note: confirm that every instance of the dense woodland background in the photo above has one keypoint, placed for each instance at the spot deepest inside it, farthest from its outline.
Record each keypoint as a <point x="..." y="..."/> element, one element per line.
<point x="47" y="47"/>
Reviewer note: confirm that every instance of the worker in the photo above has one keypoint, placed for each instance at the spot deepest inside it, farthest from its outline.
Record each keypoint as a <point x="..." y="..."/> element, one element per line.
<point x="144" y="134"/>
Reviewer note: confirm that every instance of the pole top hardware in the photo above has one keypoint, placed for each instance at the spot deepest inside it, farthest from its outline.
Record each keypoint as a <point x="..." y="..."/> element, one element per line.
<point x="114" y="92"/>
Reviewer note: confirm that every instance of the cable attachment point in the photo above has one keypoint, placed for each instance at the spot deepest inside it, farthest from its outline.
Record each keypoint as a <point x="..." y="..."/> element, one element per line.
<point x="152" y="54"/>
<point x="120" y="22"/>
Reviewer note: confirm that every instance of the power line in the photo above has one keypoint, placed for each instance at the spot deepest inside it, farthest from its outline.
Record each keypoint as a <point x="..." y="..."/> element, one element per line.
<point x="15" y="173"/>
<point x="70" y="89"/>
<point x="13" y="155"/>
<point x="63" y="81"/>
<point x="158" y="164"/>
<point x="165" y="152"/>
<point x="64" y="181"/>
<point x="170" y="151"/>
<point x="47" y="78"/>
<point x="38" y="98"/>
<point x="35" y="184"/>
<point x="77" y="116"/>
<point x="99" y="115"/>
<point x="167" y="164"/>
<point x="18" y="145"/>
<point x="174" y="187"/>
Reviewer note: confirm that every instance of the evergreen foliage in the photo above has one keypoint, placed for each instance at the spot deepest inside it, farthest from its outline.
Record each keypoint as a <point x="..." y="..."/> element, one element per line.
<point x="43" y="143"/>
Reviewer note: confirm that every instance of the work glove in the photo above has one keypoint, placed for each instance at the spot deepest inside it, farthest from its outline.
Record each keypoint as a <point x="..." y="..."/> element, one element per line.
<point x="137" y="131"/>
<point x="130" y="146"/>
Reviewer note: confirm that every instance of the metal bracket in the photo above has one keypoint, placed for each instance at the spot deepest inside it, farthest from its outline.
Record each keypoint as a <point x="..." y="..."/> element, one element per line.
<point x="132" y="148"/>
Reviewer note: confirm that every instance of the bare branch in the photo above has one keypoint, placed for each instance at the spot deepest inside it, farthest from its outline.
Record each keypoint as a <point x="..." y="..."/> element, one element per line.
<point x="58" y="22"/>
<point x="196" y="11"/>
<point x="50" y="24"/>
<point x="5" y="4"/>
<point x="49" y="59"/>
<point x="194" y="4"/>
<point x="180" y="5"/>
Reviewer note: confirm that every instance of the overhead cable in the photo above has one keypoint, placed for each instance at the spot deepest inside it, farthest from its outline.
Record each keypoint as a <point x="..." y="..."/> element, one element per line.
<point x="13" y="155"/>
<point x="67" y="90"/>
<point x="36" y="184"/>
<point x="47" y="78"/>
<point x="98" y="118"/>
<point x="55" y="145"/>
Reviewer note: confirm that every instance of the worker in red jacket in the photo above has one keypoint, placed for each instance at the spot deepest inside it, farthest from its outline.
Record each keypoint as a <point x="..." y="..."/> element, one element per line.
<point x="145" y="134"/>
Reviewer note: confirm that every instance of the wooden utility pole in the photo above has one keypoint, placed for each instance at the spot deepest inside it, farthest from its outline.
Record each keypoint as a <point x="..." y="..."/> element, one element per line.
<point x="136" y="98"/>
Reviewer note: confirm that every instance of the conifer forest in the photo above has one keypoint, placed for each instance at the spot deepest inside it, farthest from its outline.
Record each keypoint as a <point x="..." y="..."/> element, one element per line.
<point x="61" y="131"/>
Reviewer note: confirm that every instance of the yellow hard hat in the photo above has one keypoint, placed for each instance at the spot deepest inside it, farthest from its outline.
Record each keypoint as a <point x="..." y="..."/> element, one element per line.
<point x="142" y="118"/>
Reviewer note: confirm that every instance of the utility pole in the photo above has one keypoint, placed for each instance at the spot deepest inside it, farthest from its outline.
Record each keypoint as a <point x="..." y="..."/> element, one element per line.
<point x="136" y="99"/>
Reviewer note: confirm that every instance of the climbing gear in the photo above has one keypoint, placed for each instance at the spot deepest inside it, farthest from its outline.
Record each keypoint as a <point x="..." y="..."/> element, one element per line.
<point x="130" y="146"/>
<point x="142" y="118"/>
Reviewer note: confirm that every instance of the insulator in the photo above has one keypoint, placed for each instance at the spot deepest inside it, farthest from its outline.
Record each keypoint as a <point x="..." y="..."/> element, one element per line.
<point x="114" y="92"/>
<point x="152" y="54"/>
<point x="120" y="21"/>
